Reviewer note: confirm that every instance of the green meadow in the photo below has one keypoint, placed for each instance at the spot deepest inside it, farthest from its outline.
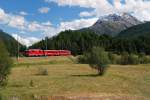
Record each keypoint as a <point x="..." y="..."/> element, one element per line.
<point x="63" y="76"/>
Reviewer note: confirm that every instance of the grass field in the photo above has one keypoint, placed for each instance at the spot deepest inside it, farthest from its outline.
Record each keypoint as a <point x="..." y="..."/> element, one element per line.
<point x="66" y="77"/>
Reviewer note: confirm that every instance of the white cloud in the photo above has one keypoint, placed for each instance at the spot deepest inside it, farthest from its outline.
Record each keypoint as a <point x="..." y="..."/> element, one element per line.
<point x="14" y="21"/>
<point x="101" y="7"/>
<point x="82" y="3"/>
<point x="72" y="25"/>
<point x="77" y="24"/>
<point x="28" y="41"/>
<point x="23" y="13"/>
<point x="4" y="18"/>
<point x="87" y="14"/>
<point x="48" y="23"/>
<point x="17" y="22"/>
<point x="20" y="23"/>
<point x="139" y="8"/>
<point x="50" y="31"/>
<point x="117" y="4"/>
<point x="44" y="10"/>
<point x="34" y="26"/>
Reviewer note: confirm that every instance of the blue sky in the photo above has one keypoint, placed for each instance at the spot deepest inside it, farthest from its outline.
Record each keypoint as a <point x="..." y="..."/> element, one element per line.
<point x="32" y="20"/>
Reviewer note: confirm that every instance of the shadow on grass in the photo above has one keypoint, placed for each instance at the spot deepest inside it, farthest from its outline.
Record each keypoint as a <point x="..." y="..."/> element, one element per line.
<point x="87" y="75"/>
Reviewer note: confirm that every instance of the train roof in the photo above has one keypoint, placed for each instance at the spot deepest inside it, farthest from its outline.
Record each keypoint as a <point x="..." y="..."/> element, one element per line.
<point x="33" y="49"/>
<point x="44" y="50"/>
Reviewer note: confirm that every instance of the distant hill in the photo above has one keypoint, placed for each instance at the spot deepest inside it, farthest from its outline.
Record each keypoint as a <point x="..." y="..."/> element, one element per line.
<point x="137" y="30"/>
<point x="113" y="24"/>
<point x="10" y="43"/>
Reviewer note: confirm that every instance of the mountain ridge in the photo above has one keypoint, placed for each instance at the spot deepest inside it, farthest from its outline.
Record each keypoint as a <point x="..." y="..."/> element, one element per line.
<point x="113" y="24"/>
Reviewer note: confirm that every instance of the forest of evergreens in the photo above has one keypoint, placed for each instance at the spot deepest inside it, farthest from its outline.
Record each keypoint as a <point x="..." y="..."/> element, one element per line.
<point x="11" y="44"/>
<point x="78" y="42"/>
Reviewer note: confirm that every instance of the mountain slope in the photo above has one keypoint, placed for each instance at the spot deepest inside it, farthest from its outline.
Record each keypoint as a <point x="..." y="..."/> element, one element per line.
<point x="113" y="24"/>
<point x="135" y="31"/>
<point x="10" y="43"/>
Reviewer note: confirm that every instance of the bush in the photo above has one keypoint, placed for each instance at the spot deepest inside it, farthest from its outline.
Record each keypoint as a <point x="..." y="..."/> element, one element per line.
<point x="97" y="59"/>
<point x="31" y="83"/>
<point x="143" y="58"/>
<point x="42" y="71"/>
<point x="133" y="59"/>
<point x="83" y="58"/>
<point x="5" y="64"/>
<point x="113" y="58"/>
<point x="124" y="58"/>
<point x="127" y="59"/>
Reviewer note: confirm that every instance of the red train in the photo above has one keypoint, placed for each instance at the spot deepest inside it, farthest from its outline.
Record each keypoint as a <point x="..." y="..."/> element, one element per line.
<point x="39" y="52"/>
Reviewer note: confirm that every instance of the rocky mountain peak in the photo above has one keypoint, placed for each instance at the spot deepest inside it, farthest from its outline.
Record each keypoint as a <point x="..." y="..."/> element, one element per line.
<point x="114" y="23"/>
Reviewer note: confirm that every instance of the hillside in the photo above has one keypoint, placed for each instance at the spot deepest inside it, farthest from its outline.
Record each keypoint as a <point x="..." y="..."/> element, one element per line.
<point x="113" y="24"/>
<point x="75" y="41"/>
<point x="135" y="31"/>
<point x="10" y="43"/>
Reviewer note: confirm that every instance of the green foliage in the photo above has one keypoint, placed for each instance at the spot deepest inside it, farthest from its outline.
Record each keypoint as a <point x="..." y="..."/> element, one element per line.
<point x="137" y="30"/>
<point x="113" y="58"/>
<point x="79" y="42"/>
<point x="5" y="64"/>
<point x="129" y="59"/>
<point x="11" y="44"/>
<point x="124" y="58"/>
<point x="143" y="58"/>
<point x="75" y="41"/>
<point x="83" y="58"/>
<point x="97" y="59"/>
<point x="133" y="59"/>
<point x="135" y="39"/>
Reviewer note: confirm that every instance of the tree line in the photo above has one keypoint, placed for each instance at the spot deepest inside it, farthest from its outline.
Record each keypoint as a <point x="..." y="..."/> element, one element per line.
<point x="79" y="42"/>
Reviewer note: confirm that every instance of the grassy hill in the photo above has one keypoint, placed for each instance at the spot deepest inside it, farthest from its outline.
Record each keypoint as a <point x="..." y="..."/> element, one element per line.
<point x="10" y="43"/>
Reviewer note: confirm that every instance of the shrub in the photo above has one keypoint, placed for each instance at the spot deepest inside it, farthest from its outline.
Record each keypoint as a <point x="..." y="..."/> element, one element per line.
<point x="133" y="59"/>
<point x="5" y="64"/>
<point x="42" y="71"/>
<point x="124" y="58"/>
<point x="113" y="58"/>
<point x="31" y="83"/>
<point x="143" y="58"/>
<point x="83" y="58"/>
<point x="97" y="59"/>
<point x="127" y="59"/>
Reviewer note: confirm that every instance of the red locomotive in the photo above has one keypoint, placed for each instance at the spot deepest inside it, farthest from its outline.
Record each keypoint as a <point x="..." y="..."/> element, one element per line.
<point x="39" y="52"/>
